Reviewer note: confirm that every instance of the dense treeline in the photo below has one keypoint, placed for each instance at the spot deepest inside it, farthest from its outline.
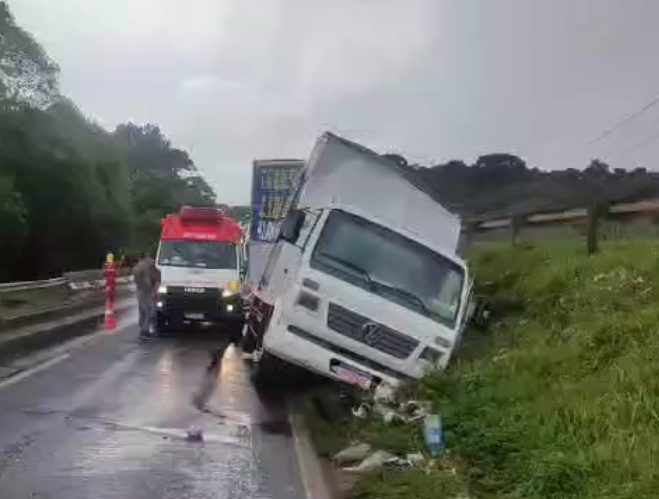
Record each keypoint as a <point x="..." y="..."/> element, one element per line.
<point x="502" y="184"/>
<point x="70" y="190"/>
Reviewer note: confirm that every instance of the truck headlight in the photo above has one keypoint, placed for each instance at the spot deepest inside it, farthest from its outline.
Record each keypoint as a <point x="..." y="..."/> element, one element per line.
<point x="226" y="293"/>
<point x="162" y="290"/>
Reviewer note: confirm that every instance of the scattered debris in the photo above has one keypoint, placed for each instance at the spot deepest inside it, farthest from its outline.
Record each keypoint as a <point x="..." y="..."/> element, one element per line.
<point x="416" y="459"/>
<point x="362" y="411"/>
<point x="354" y="453"/>
<point x="383" y="404"/>
<point x="384" y="393"/>
<point x="432" y="432"/>
<point x="373" y="462"/>
<point x="414" y="410"/>
<point x="194" y="434"/>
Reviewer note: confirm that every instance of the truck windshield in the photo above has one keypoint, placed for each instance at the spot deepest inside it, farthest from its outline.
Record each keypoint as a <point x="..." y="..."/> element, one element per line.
<point x="390" y="265"/>
<point x="200" y="254"/>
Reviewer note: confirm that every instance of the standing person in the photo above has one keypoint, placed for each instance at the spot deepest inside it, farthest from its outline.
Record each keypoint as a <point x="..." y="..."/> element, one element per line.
<point x="110" y="275"/>
<point x="147" y="281"/>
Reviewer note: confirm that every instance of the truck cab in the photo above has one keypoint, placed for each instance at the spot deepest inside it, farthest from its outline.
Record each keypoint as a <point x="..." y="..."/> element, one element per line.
<point x="201" y="260"/>
<point x="364" y="284"/>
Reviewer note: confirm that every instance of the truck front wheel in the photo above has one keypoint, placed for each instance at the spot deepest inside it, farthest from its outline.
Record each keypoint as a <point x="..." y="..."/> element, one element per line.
<point x="266" y="372"/>
<point x="247" y="340"/>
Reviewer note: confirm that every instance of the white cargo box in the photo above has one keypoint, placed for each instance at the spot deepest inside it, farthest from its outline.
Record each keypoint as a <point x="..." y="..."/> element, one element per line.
<point x="342" y="172"/>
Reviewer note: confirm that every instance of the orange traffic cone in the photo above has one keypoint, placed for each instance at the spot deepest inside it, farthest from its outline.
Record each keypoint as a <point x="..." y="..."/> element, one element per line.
<point x="110" y="318"/>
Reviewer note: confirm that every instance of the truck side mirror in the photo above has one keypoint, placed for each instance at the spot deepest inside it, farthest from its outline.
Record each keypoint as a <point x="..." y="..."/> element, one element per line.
<point x="290" y="228"/>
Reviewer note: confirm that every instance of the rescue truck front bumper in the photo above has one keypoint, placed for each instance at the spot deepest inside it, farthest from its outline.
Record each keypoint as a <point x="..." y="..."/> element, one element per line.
<point x="178" y="304"/>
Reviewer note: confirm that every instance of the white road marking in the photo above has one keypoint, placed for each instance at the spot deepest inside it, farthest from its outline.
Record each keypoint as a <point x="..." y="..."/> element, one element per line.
<point x="177" y="433"/>
<point x="34" y="370"/>
<point x="43" y="359"/>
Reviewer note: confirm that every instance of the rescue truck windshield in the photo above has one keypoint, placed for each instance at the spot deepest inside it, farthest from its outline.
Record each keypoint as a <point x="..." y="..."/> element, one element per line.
<point x="200" y="254"/>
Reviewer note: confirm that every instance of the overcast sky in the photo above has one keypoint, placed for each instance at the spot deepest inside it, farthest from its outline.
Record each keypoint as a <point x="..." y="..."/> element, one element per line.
<point x="234" y="80"/>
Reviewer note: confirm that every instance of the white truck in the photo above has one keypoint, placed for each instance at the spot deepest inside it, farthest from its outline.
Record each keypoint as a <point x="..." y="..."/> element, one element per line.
<point x="364" y="284"/>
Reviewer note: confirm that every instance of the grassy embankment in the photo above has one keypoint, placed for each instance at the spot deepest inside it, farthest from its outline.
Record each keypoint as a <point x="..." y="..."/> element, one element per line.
<point x="558" y="398"/>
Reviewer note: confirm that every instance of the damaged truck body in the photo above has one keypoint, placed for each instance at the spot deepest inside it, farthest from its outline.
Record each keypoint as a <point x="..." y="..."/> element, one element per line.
<point x="364" y="284"/>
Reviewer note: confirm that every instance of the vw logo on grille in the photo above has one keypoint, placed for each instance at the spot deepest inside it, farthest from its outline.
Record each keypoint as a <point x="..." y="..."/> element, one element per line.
<point x="371" y="333"/>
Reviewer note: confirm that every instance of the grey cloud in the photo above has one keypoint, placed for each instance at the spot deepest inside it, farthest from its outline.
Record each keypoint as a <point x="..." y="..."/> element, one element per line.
<point x="433" y="80"/>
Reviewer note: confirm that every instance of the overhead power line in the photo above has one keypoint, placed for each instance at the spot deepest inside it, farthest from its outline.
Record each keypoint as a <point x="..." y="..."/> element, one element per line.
<point x="626" y="120"/>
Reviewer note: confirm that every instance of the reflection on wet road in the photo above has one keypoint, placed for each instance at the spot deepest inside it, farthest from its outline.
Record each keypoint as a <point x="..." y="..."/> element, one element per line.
<point x="111" y="422"/>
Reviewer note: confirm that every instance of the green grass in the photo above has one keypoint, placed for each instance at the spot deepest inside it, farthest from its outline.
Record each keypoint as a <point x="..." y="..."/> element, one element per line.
<point x="559" y="397"/>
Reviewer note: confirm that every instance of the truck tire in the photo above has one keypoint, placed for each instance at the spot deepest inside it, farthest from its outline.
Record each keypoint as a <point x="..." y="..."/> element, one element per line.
<point x="247" y="341"/>
<point x="266" y="373"/>
<point x="236" y="333"/>
<point x="161" y="326"/>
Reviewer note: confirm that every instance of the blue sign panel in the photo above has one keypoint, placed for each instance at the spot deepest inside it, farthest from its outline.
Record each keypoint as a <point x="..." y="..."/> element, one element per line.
<point x="272" y="186"/>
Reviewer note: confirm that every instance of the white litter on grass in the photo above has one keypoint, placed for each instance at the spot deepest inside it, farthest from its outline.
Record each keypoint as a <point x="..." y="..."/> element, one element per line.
<point x="354" y="453"/>
<point x="362" y="411"/>
<point x="416" y="459"/>
<point x="373" y="462"/>
<point x="384" y="393"/>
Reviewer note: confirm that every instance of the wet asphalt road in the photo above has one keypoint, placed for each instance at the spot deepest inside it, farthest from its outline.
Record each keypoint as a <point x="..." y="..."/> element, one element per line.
<point x="108" y="420"/>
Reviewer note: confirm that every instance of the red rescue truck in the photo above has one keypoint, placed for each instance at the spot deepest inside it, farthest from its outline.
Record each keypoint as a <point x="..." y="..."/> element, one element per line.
<point x="201" y="260"/>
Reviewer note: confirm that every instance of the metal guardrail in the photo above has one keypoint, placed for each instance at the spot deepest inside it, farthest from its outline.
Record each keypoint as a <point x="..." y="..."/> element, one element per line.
<point x="644" y="207"/>
<point x="6" y="287"/>
<point x="83" y="279"/>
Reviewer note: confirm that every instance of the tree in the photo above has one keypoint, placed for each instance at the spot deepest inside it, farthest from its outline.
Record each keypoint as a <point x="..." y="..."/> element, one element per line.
<point x="69" y="190"/>
<point x="28" y="75"/>
<point x="163" y="178"/>
<point x="13" y="224"/>
<point x="597" y="169"/>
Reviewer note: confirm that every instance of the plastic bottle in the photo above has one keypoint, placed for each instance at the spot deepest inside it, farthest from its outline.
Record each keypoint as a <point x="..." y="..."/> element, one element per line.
<point x="432" y="432"/>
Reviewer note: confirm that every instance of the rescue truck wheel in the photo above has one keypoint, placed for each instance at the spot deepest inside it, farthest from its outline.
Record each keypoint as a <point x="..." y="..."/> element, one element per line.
<point x="161" y="326"/>
<point x="236" y="333"/>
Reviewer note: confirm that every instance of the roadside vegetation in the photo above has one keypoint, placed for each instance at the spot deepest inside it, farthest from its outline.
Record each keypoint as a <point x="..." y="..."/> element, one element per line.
<point x="69" y="189"/>
<point x="557" y="397"/>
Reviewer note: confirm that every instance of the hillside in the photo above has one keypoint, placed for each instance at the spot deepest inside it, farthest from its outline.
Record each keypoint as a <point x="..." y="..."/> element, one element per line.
<point x="557" y="397"/>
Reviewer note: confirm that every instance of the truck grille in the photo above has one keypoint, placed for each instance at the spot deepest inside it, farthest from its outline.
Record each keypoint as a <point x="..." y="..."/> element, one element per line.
<point x="373" y="334"/>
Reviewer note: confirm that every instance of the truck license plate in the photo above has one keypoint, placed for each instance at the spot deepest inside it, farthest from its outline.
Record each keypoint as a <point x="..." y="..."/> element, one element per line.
<point x="351" y="374"/>
<point x="194" y="316"/>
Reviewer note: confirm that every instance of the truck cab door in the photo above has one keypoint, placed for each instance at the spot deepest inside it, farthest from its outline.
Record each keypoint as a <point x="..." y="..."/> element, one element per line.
<point x="286" y="258"/>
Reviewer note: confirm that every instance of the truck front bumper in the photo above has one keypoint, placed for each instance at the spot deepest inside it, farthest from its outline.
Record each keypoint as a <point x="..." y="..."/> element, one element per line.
<point x="208" y="306"/>
<point x="297" y="346"/>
